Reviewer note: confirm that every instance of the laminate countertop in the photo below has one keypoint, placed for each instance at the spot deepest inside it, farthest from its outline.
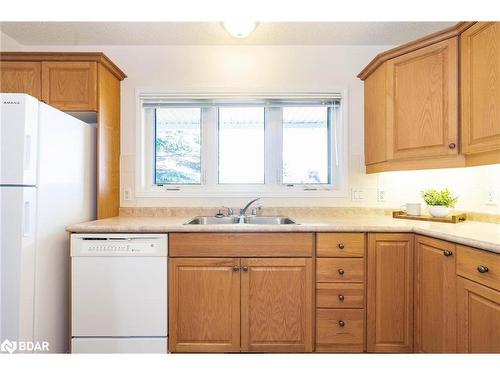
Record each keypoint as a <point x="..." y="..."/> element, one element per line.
<point x="481" y="235"/>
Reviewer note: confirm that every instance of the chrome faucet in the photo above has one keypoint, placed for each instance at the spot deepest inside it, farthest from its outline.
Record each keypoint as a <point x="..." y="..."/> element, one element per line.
<point x="244" y="209"/>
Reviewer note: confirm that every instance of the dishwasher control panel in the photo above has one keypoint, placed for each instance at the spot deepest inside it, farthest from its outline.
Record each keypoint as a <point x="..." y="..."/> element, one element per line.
<point x="118" y="245"/>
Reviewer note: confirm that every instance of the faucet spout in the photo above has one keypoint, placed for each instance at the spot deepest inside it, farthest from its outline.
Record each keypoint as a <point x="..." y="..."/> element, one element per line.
<point x="244" y="209"/>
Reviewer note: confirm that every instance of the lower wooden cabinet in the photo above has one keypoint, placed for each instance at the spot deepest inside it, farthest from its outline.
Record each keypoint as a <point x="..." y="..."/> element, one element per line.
<point x="247" y="304"/>
<point x="340" y="330"/>
<point x="390" y="293"/>
<point x="435" y="296"/>
<point x="478" y="314"/>
<point x="204" y="305"/>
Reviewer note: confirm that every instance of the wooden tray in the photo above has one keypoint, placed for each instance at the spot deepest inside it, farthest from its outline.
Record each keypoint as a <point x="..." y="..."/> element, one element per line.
<point x="455" y="218"/>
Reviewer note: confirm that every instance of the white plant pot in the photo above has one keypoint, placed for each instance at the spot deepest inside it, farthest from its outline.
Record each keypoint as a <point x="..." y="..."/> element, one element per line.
<point x="439" y="211"/>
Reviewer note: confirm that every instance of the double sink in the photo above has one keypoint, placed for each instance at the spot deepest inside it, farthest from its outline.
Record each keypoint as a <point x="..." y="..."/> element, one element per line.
<point x="262" y="220"/>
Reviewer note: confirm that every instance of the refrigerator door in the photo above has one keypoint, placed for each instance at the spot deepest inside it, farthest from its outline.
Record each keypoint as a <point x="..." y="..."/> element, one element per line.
<point x="18" y="139"/>
<point x="17" y="238"/>
<point x="66" y="190"/>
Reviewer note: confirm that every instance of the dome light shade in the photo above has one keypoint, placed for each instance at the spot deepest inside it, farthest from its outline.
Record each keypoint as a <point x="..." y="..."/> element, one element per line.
<point x="239" y="28"/>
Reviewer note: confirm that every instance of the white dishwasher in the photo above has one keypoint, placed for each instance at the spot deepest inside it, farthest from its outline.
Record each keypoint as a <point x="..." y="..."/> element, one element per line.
<point x="119" y="293"/>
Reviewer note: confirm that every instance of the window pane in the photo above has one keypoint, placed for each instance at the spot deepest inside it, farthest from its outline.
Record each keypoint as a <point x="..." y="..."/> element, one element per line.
<point x="305" y="145"/>
<point x="241" y="145"/>
<point x="177" y="156"/>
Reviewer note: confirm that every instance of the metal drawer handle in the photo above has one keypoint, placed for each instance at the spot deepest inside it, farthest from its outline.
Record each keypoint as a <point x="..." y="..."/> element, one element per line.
<point x="340" y="271"/>
<point x="341" y="297"/>
<point x="341" y="323"/>
<point x="236" y="268"/>
<point x="482" y="269"/>
<point x="341" y="246"/>
<point x="447" y="253"/>
<point x="244" y="268"/>
<point x="452" y="146"/>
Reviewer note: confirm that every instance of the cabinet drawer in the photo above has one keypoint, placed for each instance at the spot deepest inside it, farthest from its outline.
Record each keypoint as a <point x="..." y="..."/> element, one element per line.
<point x="340" y="245"/>
<point x="340" y="270"/>
<point x="471" y="261"/>
<point x="339" y="330"/>
<point x="340" y="295"/>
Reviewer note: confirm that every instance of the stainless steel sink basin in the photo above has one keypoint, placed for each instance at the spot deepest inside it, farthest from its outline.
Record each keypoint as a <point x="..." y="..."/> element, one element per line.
<point x="262" y="220"/>
<point x="213" y="220"/>
<point x="269" y="220"/>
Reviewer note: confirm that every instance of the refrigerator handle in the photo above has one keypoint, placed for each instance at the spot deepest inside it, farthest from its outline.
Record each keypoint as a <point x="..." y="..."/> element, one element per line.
<point x="27" y="217"/>
<point x="27" y="152"/>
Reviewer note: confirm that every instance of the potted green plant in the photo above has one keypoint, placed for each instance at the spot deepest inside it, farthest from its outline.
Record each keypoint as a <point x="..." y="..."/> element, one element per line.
<point x="439" y="203"/>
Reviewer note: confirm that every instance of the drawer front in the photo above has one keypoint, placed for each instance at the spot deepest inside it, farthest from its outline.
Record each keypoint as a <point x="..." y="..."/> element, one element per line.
<point x="340" y="245"/>
<point x="339" y="330"/>
<point x="470" y="263"/>
<point x="241" y="245"/>
<point x="340" y="295"/>
<point x="340" y="270"/>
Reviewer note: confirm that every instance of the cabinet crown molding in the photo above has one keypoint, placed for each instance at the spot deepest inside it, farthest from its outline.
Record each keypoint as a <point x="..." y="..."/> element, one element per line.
<point x="99" y="57"/>
<point x="439" y="36"/>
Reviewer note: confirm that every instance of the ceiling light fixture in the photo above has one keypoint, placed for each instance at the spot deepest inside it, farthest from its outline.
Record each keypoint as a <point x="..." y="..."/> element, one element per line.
<point x="239" y="28"/>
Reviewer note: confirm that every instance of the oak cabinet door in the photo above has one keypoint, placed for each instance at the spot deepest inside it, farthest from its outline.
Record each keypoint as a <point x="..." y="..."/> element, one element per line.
<point x="69" y="85"/>
<point x="480" y="87"/>
<point x="422" y="102"/>
<point x="390" y="293"/>
<point x="277" y="305"/>
<point x="21" y="77"/>
<point x="435" y="296"/>
<point x="478" y="317"/>
<point x="204" y="305"/>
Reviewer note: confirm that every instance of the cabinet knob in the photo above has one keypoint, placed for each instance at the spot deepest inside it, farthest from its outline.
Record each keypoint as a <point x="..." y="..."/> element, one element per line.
<point x="236" y="268"/>
<point x="482" y="269"/>
<point x="447" y="253"/>
<point x="341" y="323"/>
<point x="341" y="297"/>
<point x="340" y="246"/>
<point x="340" y="271"/>
<point x="244" y="268"/>
<point x="452" y="146"/>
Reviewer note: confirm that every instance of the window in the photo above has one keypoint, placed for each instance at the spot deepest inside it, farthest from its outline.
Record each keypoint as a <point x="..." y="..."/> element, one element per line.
<point x="280" y="146"/>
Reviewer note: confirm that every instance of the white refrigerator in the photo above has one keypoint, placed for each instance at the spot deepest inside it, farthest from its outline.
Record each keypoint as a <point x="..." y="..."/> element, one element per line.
<point x="47" y="181"/>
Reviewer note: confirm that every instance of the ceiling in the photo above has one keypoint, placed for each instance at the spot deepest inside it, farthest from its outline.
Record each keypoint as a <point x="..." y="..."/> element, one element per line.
<point x="212" y="33"/>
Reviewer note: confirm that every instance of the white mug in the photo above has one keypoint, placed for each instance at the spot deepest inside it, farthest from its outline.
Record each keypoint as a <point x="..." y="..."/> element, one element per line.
<point x="412" y="209"/>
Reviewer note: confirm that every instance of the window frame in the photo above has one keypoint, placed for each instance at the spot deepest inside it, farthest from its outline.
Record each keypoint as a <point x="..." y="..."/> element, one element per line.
<point x="209" y="186"/>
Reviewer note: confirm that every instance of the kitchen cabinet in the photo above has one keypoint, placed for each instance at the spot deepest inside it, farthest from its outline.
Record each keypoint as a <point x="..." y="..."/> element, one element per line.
<point x="76" y="82"/>
<point x="412" y="96"/>
<point x="21" y="76"/>
<point x="276" y="305"/>
<point x="480" y="92"/>
<point x="204" y="305"/>
<point x="273" y="296"/>
<point x="340" y="292"/>
<point x="478" y="318"/>
<point x="390" y="293"/>
<point x="70" y="85"/>
<point x="435" y="296"/>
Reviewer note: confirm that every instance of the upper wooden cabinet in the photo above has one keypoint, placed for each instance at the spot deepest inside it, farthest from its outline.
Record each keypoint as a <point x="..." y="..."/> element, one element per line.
<point x="422" y="102"/>
<point x="70" y="86"/>
<point x="76" y="82"/>
<point x="21" y="77"/>
<point x="412" y="101"/>
<point x="480" y="99"/>
<point x="435" y="296"/>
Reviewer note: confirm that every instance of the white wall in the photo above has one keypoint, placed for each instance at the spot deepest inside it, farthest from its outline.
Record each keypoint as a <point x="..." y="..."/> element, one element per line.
<point x="277" y="69"/>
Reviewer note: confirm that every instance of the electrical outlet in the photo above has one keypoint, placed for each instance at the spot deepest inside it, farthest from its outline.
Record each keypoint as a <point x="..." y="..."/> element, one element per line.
<point x="381" y="195"/>
<point x="127" y="194"/>
<point x="357" y="194"/>
<point x="491" y="198"/>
